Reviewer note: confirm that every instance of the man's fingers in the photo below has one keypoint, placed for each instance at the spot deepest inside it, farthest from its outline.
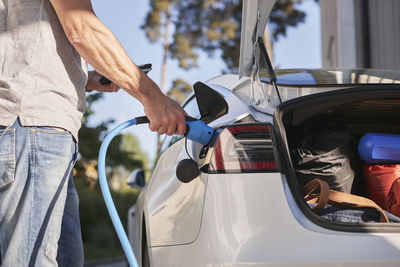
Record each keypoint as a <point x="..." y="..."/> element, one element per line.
<point x="181" y="128"/>
<point x="165" y="115"/>
<point x="110" y="88"/>
<point x="167" y="126"/>
<point x="115" y="88"/>
<point x="181" y="124"/>
<point x="171" y="129"/>
<point x="162" y="130"/>
<point x="154" y="126"/>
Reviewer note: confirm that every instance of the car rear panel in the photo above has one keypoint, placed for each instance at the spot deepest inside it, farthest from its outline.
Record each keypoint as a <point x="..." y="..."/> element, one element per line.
<point x="252" y="219"/>
<point x="257" y="218"/>
<point x="174" y="208"/>
<point x="247" y="221"/>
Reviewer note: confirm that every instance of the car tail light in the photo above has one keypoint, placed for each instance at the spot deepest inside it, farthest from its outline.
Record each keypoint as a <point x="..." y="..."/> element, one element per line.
<point x="243" y="148"/>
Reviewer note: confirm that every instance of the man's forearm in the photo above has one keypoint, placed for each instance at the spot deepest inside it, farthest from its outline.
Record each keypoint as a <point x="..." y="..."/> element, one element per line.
<point x="98" y="45"/>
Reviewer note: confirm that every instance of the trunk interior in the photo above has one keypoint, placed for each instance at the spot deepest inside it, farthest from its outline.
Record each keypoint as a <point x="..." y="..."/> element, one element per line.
<point x="314" y="126"/>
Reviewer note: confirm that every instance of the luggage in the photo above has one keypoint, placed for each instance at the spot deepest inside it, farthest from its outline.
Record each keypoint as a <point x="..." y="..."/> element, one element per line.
<point x="393" y="198"/>
<point x="380" y="148"/>
<point x="342" y="206"/>
<point x="379" y="179"/>
<point x="325" y="153"/>
<point x="361" y="215"/>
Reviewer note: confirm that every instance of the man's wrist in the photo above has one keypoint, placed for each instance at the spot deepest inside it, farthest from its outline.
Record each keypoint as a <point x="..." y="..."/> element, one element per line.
<point x="146" y="90"/>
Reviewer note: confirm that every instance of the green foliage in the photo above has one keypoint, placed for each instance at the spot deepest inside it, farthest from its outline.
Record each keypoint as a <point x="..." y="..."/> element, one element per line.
<point x="209" y="26"/>
<point x="182" y="50"/>
<point x="180" y="90"/>
<point x="123" y="151"/>
<point x="212" y="25"/>
<point x="118" y="155"/>
<point x="98" y="233"/>
<point x="153" y="23"/>
<point x="131" y="144"/>
<point x="284" y="15"/>
<point x="155" y="18"/>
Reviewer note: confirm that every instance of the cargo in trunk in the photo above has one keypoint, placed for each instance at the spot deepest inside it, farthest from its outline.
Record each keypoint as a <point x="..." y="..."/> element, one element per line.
<point x="321" y="133"/>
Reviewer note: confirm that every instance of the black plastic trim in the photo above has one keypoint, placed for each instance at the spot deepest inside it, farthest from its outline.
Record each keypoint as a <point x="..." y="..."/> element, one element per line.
<point x="351" y="94"/>
<point x="339" y="86"/>
<point x="249" y="171"/>
<point x="212" y="105"/>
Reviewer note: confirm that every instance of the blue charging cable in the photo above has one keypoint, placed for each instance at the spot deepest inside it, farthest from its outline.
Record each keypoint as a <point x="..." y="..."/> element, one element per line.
<point x="106" y="191"/>
<point x="196" y="130"/>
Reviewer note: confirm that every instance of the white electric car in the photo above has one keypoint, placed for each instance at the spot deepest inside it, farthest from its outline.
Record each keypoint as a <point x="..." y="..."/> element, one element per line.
<point x="245" y="208"/>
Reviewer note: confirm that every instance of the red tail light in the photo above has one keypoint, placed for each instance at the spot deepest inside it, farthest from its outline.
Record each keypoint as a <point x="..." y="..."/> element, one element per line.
<point x="243" y="148"/>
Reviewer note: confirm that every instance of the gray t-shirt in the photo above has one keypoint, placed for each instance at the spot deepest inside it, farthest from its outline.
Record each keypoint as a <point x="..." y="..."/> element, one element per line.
<point x="42" y="77"/>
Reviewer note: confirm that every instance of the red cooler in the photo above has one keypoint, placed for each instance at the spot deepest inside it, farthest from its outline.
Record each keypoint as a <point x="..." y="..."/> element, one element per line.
<point x="379" y="180"/>
<point x="393" y="198"/>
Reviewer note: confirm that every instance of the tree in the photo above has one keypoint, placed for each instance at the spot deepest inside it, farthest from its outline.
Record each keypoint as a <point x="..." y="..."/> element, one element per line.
<point x="180" y="90"/>
<point x="118" y="154"/>
<point x="157" y="24"/>
<point x="213" y="25"/>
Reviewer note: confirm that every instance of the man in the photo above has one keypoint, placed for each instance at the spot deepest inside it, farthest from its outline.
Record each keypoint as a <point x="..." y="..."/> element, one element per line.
<point x="42" y="99"/>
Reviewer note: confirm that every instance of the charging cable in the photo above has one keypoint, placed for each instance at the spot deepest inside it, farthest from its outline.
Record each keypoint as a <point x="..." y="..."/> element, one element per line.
<point x="106" y="191"/>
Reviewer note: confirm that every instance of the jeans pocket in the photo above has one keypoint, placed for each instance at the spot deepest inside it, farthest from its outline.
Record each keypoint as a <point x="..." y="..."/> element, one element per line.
<point x="51" y="130"/>
<point x="7" y="156"/>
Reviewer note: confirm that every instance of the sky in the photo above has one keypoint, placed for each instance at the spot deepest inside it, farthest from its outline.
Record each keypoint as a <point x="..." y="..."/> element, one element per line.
<point x="300" y="48"/>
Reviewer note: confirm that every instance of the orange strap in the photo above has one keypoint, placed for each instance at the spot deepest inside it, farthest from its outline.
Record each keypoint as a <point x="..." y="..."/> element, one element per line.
<point x="320" y="198"/>
<point x="336" y="198"/>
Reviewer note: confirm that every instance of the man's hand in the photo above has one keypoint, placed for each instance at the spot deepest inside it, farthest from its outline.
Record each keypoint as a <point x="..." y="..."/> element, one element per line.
<point x="93" y="84"/>
<point x="165" y="114"/>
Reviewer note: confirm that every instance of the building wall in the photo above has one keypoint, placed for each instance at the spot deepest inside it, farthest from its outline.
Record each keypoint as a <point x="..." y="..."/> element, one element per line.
<point x="338" y="33"/>
<point x="384" y="30"/>
<point x="329" y="33"/>
<point x="360" y="33"/>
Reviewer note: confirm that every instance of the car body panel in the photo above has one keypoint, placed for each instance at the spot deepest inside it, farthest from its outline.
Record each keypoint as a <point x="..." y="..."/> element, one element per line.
<point x="239" y="228"/>
<point x="174" y="209"/>
<point x="236" y="108"/>
<point x="228" y="81"/>
<point x="244" y="219"/>
<point x="136" y="232"/>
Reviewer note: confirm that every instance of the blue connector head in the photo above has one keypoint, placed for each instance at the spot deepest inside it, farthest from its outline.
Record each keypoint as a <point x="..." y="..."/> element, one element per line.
<point x="198" y="131"/>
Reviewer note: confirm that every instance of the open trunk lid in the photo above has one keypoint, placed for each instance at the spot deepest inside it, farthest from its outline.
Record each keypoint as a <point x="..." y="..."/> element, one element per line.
<point x="254" y="20"/>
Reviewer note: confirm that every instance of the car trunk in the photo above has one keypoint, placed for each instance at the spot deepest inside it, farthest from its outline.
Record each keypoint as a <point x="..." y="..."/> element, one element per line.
<point x="357" y="110"/>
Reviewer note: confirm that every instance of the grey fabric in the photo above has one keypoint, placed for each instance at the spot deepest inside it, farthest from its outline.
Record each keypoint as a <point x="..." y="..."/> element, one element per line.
<point x="42" y="77"/>
<point x="326" y="154"/>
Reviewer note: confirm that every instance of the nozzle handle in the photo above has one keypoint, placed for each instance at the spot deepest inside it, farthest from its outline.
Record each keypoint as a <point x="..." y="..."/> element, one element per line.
<point x="196" y="130"/>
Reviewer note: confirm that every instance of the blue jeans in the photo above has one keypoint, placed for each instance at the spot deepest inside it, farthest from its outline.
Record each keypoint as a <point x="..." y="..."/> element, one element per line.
<point x="39" y="220"/>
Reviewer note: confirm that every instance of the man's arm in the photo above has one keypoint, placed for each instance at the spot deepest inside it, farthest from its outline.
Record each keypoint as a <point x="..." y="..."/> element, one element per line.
<point x="99" y="47"/>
